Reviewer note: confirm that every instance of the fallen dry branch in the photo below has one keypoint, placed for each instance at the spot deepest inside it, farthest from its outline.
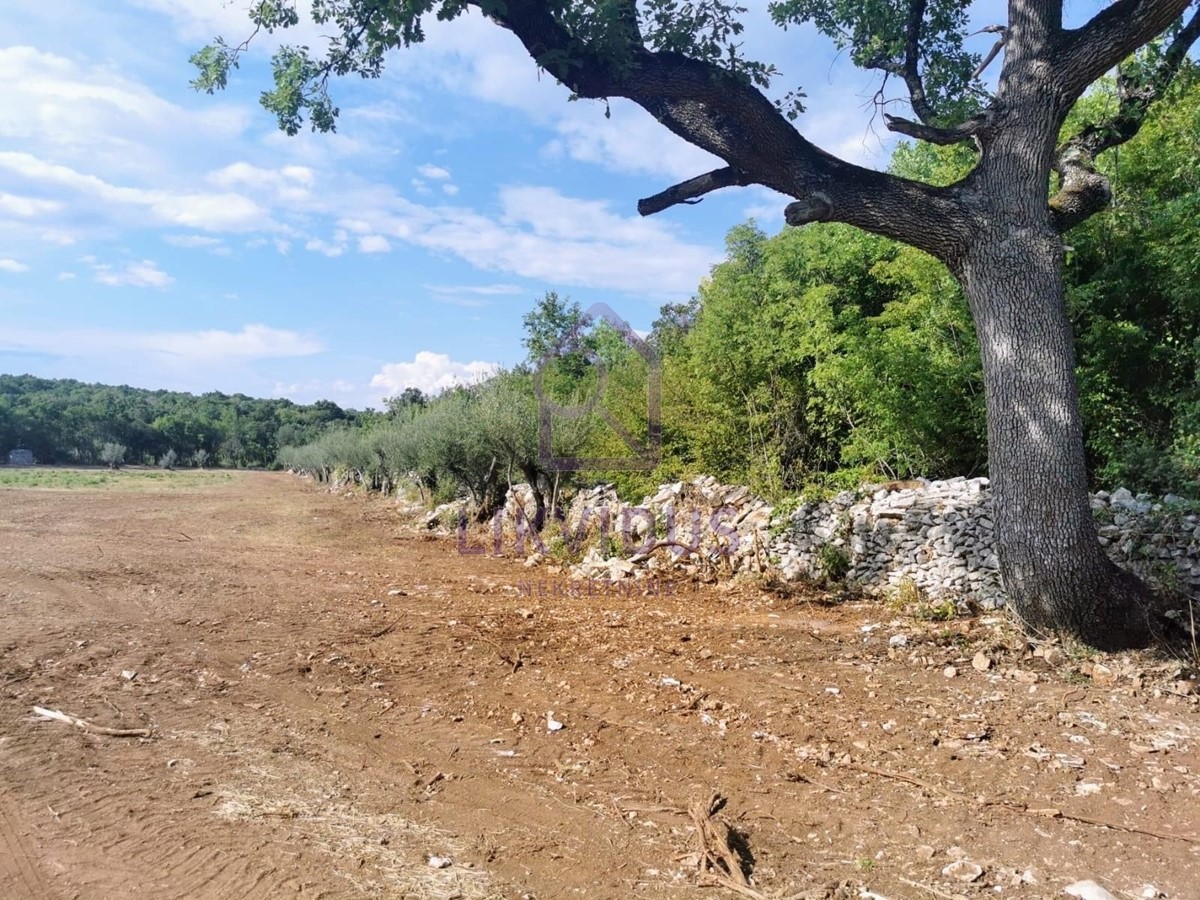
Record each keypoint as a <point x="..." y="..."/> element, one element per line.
<point x="1099" y="823"/>
<point x="386" y="629"/>
<point x="719" y="863"/>
<point x="801" y="778"/>
<point x="55" y="716"/>
<point x="716" y="852"/>
<point x="1021" y="808"/>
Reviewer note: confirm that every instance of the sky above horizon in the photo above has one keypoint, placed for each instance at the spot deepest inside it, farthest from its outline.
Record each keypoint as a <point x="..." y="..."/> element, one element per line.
<point x="161" y="238"/>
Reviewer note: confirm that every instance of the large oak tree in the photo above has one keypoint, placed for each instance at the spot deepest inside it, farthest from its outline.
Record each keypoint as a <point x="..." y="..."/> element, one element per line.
<point x="999" y="230"/>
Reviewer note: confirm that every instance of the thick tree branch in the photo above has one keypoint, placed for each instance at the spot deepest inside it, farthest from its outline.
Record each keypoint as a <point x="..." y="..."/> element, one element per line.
<point x="692" y="190"/>
<point x="723" y="113"/>
<point x="816" y="208"/>
<point x="996" y="47"/>
<point x="934" y="134"/>
<point x="909" y="70"/>
<point x="1085" y="191"/>
<point x="926" y="127"/>
<point x="1086" y="53"/>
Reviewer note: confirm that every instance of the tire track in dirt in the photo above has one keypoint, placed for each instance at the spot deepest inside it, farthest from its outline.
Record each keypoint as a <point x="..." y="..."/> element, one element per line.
<point x="118" y="835"/>
<point x="20" y="877"/>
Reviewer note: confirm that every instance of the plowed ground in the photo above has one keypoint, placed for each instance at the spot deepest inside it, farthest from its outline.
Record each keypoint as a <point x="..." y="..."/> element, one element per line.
<point x="335" y="697"/>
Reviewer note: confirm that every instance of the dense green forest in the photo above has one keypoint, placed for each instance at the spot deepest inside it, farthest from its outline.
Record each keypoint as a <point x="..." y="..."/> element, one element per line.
<point x="68" y="422"/>
<point x="821" y="355"/>
<point x="825" y="355"/>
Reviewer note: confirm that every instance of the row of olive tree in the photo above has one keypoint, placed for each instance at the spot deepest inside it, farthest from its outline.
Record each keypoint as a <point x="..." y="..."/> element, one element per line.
<point x="472" y="442"/>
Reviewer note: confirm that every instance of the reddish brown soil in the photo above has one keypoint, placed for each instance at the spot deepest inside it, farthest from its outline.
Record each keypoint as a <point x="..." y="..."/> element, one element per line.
<point x="315" y="736"/>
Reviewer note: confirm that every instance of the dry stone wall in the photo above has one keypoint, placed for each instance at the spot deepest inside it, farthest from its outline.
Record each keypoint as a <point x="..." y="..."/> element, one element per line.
<point x="936" y="536"/>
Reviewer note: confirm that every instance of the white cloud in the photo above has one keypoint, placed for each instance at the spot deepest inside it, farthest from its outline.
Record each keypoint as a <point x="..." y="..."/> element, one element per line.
<point x="473" y="58"/>
<point x="11" y="265"/>
<point x="630" y="141"/>
<point x="92" y="114"/>
<point x="202" y="20"/>
<point x="373" y="243"/>
<point x="473" y="296"/>
<point x="58" y="236"/>
<point x="540" y="233"/>
<point x="545" y="235"/>
<point x="316" y="245"/>
<point x="144" y="274"/>
<point x="766" y="207"/>
<point x="27" y="207"/>
<point x="289" y="183"/>
<point x="315" y="389"/>
<point x="205" y="211"/>
<point x="187" y="348"/>
<point x="431" y="372"/>
<point x="66" y="276"/>
<point x="485" y="289"/>
<point x="252" y="342"/>
<point x="534" y="232"/>
<point x="197" y="242"/>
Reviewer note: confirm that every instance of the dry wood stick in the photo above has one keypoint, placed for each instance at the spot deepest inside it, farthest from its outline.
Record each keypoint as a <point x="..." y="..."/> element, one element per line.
<point x="714" y="846"/>
<point x="1023" y="809"/>
<point x="56" y="716"/>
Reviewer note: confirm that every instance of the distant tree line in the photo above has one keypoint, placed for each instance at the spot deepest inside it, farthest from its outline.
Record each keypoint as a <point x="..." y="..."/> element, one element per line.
<point x="67" y="422"/>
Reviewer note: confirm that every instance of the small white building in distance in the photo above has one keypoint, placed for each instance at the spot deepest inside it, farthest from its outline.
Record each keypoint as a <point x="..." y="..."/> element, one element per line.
<point x="20" y="458"/>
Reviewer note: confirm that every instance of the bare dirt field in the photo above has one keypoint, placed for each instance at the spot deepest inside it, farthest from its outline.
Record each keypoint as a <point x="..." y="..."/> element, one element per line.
<point x="331" y="698"/>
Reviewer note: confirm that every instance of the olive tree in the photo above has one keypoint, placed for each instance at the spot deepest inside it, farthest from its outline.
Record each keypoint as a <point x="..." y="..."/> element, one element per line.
<point x="999" y="230"/>
<point x="112" y="454"/>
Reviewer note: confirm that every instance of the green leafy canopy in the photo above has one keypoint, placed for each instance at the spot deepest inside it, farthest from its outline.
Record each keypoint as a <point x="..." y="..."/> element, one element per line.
<point x="612" y="31"/>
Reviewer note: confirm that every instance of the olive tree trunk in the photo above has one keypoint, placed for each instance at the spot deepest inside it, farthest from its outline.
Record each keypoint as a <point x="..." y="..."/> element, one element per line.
<point x="1055" y="574"/>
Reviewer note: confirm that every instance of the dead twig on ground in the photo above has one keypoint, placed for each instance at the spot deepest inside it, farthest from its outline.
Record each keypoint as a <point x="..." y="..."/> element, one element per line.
<point x="386" y="629"/>
<point x="55" y="716"/>
<point x="515" y="661"/>
<point x="1021" y="808"/>
<point x="804" y="779"/>
<point x="716" y="851"/>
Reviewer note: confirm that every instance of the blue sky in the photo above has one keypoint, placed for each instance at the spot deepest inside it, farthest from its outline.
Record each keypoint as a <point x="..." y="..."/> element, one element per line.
<point x="161" y="238"/>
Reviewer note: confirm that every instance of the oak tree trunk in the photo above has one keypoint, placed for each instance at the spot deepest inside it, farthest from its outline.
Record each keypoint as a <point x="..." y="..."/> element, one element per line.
<point x="1056" y="576"/>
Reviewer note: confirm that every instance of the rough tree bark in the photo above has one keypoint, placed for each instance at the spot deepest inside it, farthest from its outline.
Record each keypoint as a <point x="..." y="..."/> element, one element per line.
<point x="1055" y="574"/>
